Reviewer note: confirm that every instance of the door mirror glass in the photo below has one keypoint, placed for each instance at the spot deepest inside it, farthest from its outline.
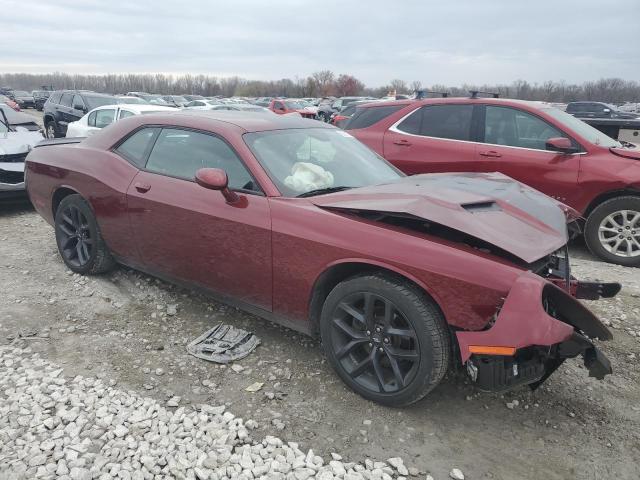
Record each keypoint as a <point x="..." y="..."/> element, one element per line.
<point x="606" y="110"/>
<point x="212" y="178"/>
<point x="560" y="144"/>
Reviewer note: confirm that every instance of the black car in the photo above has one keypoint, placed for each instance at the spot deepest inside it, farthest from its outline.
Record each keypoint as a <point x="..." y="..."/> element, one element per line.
<point x="326" y="109"/>
<point x="66" y="106"/>
<point x="39" y="98"/>
<point x="597" y="110"/>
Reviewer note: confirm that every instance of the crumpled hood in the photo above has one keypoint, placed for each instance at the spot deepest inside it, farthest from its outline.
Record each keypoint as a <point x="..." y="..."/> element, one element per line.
<point x="633" y="153"/>
<point x="20" y="141"/>
<point x="488" y="206"/>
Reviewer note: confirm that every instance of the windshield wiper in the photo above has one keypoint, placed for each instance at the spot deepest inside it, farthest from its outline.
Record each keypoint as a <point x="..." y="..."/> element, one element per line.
<point x="321" y="191"/>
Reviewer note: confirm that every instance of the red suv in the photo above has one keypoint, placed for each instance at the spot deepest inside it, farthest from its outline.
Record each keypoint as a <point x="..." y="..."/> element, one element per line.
<point x="290" y="106"/>
<point x="532" y="142"/>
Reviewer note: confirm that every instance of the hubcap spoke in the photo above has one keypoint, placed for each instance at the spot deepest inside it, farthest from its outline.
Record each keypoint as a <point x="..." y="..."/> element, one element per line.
<point x="396" y="371"/>
<point x="401" y="332"/>
<point x="352" y="332"/>
<point x="362" y="366"/>
<point x="351" y="310"/>
<point x="349" y="347"/>
<point x="401" y="353"/>
<point x="369" y="311"/>
<point x="377" y="369"/>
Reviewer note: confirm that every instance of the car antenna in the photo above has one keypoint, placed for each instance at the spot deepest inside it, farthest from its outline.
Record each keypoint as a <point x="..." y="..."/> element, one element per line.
<point x="474" y="94"/>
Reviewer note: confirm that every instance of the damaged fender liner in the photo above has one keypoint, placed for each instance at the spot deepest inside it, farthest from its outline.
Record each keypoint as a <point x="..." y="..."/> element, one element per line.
<point x="546" y="326"/>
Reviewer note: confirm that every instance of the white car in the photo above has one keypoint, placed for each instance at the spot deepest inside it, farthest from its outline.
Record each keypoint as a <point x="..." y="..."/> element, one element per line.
<point x="202" y="104"/>
<point x="105" y="115"/>
<point x="15" y="143"/>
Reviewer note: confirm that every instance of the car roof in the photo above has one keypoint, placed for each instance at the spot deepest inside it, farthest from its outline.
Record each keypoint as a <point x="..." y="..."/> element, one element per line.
<point x="449" y="100"/>
<point x="256" y="122"/>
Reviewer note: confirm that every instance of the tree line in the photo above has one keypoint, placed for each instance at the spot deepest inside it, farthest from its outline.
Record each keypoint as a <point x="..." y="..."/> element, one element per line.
<point x="318" y="84"/>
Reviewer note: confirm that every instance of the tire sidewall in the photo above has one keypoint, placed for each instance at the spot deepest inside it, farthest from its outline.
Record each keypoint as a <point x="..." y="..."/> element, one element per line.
<point x="425" y="373"/>
<point x="83" y="206"/>
<point x="593" y="223"/>
<point x="52" y="124"/>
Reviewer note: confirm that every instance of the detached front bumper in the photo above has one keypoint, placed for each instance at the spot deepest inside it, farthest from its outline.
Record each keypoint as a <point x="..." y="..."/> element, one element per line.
<point x="537" y="328"/>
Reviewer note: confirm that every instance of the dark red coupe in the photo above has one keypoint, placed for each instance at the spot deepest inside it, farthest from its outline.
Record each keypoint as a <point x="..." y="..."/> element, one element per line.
<point x="299" y="223"/>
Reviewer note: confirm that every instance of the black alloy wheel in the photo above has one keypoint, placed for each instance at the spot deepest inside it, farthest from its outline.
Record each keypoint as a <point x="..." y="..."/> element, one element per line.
<point x="76" y="244"/>
<point x="374" y="343"/>
<point x="78" y="236"/>
<point x="385" y="338"/>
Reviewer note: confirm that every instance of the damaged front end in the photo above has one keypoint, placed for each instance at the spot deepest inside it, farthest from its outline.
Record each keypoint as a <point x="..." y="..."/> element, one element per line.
<point x="540" y="325"/>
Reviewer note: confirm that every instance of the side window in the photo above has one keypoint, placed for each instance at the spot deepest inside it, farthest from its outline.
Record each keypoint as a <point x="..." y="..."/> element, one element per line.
<point x="135" y="147"/>
<point x="78" y="103"/>
<point x="411" y="124"/>
<point x="278" y="106"/>
<point x="125" y="114"/>
<point x="91" y="121"/>
<point x="447" y="121"/>
<point x="181" y="153"/>
<point x="516" y="128"/>
<point x="105" y="117"/>
<point x="55" y="98"/>
<point x="365" y="117"/>
<point x="65" y="100"/>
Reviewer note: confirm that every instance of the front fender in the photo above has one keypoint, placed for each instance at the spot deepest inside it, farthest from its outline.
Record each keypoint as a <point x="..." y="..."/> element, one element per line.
<point x="527" y="318"/>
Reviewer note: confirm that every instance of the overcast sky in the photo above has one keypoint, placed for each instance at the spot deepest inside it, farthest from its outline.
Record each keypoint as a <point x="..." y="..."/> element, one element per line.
<point x="449" y="41"/>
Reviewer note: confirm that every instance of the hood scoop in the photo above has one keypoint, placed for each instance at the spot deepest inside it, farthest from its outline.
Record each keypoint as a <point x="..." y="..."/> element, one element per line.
<point x="490" y="207"/>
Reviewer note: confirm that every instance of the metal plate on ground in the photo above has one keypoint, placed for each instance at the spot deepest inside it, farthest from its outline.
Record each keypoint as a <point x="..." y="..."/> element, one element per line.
<point x="223" y="344"/>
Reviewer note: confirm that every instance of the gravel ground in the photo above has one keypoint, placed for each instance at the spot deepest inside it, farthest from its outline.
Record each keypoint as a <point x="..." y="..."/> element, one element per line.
<point x="120" y="342"/>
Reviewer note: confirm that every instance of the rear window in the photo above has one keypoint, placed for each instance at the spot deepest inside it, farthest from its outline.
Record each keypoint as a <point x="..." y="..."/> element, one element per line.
<point x="99" y="101"/>
<point x="365" y="117"/>
<point x="136" y="147"/>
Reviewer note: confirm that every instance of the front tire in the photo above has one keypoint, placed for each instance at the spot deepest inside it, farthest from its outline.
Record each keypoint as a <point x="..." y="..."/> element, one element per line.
<point x="50" y="130"/>
<point x="385" y="338"/>
<point x="612" y="231"/>
<point x="78" y="237"/>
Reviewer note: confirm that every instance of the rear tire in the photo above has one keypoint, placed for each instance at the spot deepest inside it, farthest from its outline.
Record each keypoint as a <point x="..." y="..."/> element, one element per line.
<point x="612" y="231"/>
<point x="385" y="338"/>
<point x="78" y="237"/>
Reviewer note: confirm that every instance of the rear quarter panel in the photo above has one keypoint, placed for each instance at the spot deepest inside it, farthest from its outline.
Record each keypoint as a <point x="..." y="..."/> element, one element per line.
<point x="100" y="176"/>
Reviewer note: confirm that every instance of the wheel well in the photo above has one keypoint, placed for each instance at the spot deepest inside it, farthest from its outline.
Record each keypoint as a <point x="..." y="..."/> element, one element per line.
<point x="48" y="118"/>
<point x="331" y="277"/>
<point x="608" y="196"/>
<point x="58" y="196"/>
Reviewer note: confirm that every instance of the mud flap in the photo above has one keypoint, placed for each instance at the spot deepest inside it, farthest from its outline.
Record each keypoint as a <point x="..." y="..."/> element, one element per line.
<point x="597" y="290"/>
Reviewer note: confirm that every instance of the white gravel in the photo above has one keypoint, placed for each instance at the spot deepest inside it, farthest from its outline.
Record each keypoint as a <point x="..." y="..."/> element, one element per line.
<point x="52" y="427"/>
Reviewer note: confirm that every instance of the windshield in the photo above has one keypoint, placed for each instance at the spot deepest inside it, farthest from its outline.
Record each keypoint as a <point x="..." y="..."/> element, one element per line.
<point x="179" y="99"/>
<point x="581" y="128"/>
<point x="294" y="105"/>
<point x="93" y="102"/>
<point x="21" y="93"/>
<point x="302" y="160"/>
<point x="155" y="99"/>
<point x="15" y="118"/>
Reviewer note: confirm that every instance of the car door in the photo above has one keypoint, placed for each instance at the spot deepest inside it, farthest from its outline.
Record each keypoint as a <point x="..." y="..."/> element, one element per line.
<point x="433" y="138"/>
<point x="192" y="234"/>
<point x="78" y="109"/>
<point x="65" y="110"/>
<point x="514" y="143"/>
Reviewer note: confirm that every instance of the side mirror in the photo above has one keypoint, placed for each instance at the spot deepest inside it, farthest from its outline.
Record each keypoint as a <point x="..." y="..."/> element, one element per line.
<point x="606" y="111"/>
<point x="216" y="179"/>
<point x="561" y="145"/>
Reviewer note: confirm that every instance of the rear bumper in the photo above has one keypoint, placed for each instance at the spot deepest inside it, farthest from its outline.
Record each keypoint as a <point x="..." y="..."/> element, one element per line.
<point x="545" y="325"/>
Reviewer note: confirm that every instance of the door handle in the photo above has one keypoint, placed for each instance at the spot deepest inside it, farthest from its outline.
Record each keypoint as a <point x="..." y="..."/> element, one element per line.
<point x="402" y="142"/>
<point x="142" y="187"/>
<point x="491" y="153"/>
